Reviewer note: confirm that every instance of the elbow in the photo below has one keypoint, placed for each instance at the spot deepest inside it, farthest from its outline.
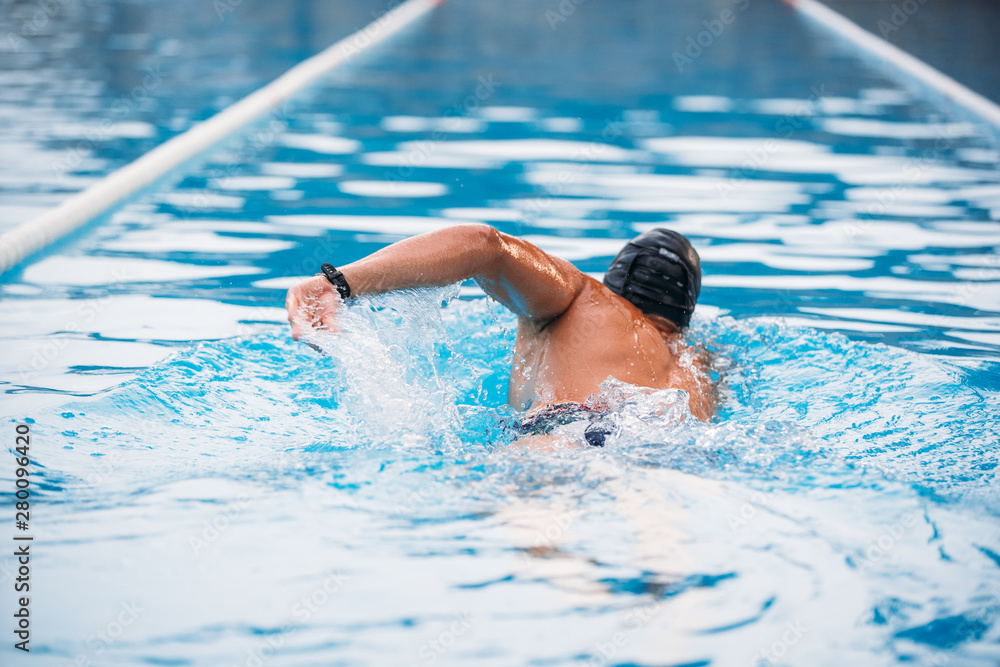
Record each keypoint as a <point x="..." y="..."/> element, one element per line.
<point x="486" y="249"/>
<point x="481" y="234"/>
<point x="488" y="241"/>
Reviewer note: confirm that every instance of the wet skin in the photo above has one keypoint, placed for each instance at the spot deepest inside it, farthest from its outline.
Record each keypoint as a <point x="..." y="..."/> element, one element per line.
<point x="573" y="332"/>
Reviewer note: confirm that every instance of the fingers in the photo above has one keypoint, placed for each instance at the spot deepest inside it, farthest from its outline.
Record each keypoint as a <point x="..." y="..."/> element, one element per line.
<point x="329" y="322"/>
<point x="329" y="303"/>
<point x="312" y="304"/>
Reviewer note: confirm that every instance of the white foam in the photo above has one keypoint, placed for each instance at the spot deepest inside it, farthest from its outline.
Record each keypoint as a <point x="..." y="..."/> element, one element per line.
<point x="427" y="157"/>
<point x="724" y="146"/>
<point x="800" y="157"/>
<point x="976" y="337"/>
<point x="897" y="171"/>
<point x="902" y="194"/>
<point x="843" y="237"/>
<point x="485" y="214"/>
<point x="393" y="188"/>
<point x="122" y="130"/>
<point x="526" y="150"/>
<point x="784" y="107"/>
<point x="898" y="209"/>
<point x="498" y="114"/>
<point x="283" y="283"/>
<point x="703" y="103"/>
<point x="908" y="317"/>
<point x="92" y="271"/>
<point x="868" y="127"/>
<point x="990" y="261"/>
<point x="241" y="227"/>
<point x="893" y="96"/>
<point x="302" y="169"/>
<point x="320" y="143"/>
<point x="170" y="240"/>
<point x="664" y="204"/>
<point x="878" y="287"/>
<point x="989" y="156"/>
<point x="800" y="108"/>
<point x="377" y="224"/>
<point x="454" y="124"/>
<point x="624" y="182"/>
<point x="250" y="183"/>
<point x="841" y="325"/>
<point x="200" y="199"/>
<point x="561" y="124"/>
<point x="780" y="257"/>
<point x="982" y="274"/>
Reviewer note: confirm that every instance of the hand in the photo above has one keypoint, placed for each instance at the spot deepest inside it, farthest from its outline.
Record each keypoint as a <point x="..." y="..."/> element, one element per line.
<point x="312" y="304"/>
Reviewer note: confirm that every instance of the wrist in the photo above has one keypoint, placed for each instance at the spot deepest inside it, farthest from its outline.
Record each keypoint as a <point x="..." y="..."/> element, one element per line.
<point x="337" y="279"/>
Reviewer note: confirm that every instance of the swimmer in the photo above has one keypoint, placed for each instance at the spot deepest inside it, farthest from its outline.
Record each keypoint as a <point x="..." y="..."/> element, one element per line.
<point x="573" y="331"/>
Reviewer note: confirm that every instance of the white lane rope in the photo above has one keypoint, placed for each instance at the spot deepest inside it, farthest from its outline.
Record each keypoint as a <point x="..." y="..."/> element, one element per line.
<point x="50" y="226"/>
<point x="944" y="85"/>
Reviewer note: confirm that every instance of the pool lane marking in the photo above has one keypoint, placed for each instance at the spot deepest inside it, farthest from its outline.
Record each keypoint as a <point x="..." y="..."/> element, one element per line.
<point x="48" y="227"/>
<point x="938" y="81"/>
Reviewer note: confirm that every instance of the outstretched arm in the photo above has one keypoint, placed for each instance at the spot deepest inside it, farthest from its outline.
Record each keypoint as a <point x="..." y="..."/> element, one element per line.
<point x="534" y="285"/>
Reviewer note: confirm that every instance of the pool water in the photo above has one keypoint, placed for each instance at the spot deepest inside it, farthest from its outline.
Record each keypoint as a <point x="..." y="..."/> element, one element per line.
<point x="213" y="493"/>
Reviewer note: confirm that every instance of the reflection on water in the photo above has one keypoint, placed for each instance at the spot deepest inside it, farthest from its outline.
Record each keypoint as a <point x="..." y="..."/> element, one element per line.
<point x="849" y="235"/>
<point x="86" y="87"/>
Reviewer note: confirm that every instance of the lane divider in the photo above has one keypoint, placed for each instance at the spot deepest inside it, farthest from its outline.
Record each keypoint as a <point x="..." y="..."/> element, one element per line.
<point x="950" y="89"/>
<point x="34" y="235"/>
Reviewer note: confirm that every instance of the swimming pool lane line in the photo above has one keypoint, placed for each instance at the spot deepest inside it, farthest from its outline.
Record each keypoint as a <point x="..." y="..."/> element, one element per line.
<point x="47" y="228"/>
<point x="934" y="79"/>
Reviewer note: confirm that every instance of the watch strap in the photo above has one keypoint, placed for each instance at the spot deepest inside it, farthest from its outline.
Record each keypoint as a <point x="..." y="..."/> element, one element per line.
<point x="337" y="279"/>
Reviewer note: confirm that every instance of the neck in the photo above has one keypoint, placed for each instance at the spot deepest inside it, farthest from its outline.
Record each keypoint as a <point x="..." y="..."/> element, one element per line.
<point x="666" y="328"/>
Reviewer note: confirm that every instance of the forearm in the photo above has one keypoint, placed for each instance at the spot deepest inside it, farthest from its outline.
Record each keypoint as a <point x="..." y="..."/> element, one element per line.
<point x="434" y="259"/>
<point x="519" y="275"/>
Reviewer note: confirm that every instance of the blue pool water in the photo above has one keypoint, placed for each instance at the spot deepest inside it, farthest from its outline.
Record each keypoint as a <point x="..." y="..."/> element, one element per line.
<point x="212" y="493"/>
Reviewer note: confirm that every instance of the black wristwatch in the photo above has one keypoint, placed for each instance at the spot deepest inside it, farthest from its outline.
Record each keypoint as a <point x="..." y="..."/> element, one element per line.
<point x="336" y="279"/>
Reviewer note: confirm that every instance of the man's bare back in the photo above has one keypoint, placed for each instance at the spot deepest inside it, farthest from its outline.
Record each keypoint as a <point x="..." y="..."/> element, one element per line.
<point x="573" y="331"/>
<point x="601" y="335"/>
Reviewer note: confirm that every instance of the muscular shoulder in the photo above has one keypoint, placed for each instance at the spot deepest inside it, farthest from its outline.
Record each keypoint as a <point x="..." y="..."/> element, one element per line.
<point x="595" y="305"/>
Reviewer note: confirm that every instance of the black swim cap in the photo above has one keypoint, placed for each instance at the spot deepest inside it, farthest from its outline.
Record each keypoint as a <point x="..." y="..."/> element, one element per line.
<point x="660" y="273"/>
